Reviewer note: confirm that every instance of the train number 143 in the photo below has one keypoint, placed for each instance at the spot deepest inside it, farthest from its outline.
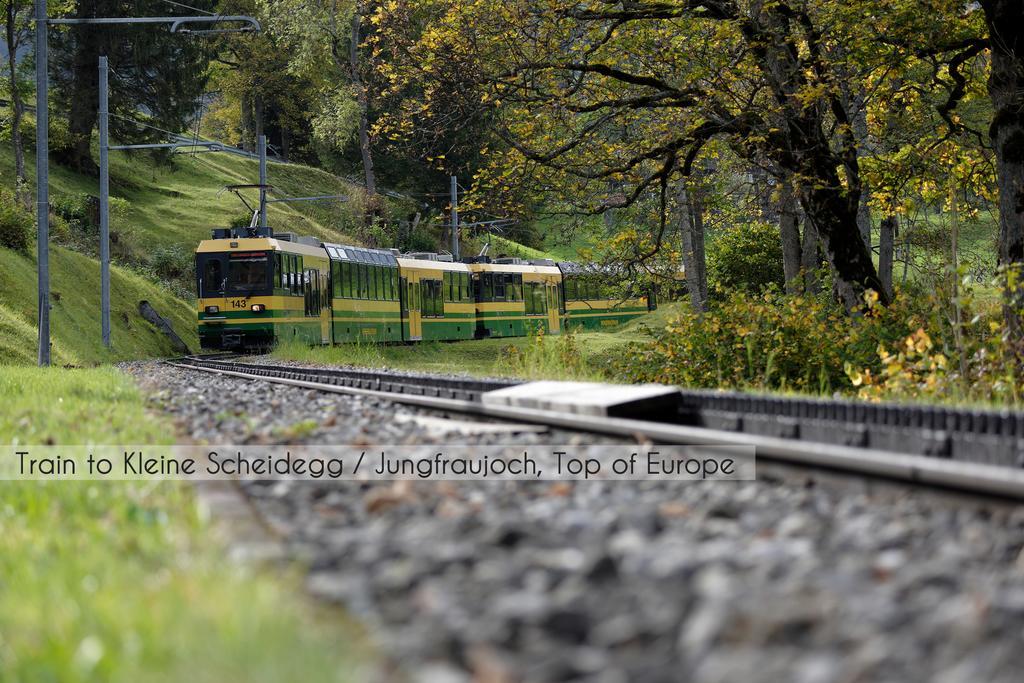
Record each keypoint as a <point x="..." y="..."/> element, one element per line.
<point x="238" y="303"/>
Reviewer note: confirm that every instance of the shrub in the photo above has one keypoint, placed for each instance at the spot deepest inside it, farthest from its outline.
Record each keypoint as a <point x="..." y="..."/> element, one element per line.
<point x="772" y="341"/>
<point x="80" y="211"/>
<point x="172" y="263"/>
<point x="15" y="223"/>
<point x="746" y="257"/>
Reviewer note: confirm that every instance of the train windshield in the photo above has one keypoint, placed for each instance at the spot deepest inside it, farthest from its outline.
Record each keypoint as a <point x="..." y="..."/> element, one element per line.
<point x="248" y="273"/>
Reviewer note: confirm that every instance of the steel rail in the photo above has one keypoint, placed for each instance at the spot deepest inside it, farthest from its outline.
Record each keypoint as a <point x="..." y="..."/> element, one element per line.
<point x="977" y="478"/>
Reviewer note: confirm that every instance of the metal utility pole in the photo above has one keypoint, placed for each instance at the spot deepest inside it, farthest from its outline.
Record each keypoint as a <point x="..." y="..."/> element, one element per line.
<point x="42" y="183"/>
<point x="104" y="205"/>
<point x="262" y="149"/>
<point x="177" y="25"/>
<point x="455" y="217"/>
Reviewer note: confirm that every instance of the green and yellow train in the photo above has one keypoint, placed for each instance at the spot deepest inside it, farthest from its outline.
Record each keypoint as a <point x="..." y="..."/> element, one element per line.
<point x="255" y="291"/>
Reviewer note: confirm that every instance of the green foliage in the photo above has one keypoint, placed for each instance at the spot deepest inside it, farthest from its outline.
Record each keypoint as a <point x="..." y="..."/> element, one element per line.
<point x="773" y="341"/>
<point x="79" y="211"/>
<point x="177" y="267"/>
<point x="746" y="257"/>
<point x="15" y="223"/>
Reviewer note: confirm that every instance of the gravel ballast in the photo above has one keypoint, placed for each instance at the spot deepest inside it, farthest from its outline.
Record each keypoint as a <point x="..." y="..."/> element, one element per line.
<point x="778" y="579"/>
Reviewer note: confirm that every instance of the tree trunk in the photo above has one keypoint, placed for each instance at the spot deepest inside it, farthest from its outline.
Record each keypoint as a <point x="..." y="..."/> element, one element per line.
<point x="84" y="92"/>
<point x="699" y="252"/>
<point x="691" y="229"/>
<point x="1006" y="88"/>
<point x="789" y="231"/>
<point x="810" y="258"/>
<point x="17" y="108"/>
<point x="257" y="115"/>
<point x="886" y="246"/>
<point x="762" y="188"/>
<point x="362" y="101"/>
<point x="247" y="123"/>
<point x="286" y="143"/>
<point x="834" y="217"/>
<point x="860" y="131"/>
<point x="804" y="148"/>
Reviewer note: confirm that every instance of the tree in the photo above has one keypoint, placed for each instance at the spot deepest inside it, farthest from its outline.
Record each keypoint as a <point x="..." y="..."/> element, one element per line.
<point x="1006" y="87"/>
<point x="155" y="75"/>
<point x="255" y="92"/>
<point x="324" y="40"/>
<point x="566" y="79"/>
<point x="17" y="16"/>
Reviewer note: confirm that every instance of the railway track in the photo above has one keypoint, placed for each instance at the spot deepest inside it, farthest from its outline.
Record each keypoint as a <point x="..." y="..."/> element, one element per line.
<point x="978" y="451"/>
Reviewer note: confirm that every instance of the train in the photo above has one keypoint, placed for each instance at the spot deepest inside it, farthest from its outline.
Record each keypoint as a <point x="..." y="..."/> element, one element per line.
<point x="256" y="289"/>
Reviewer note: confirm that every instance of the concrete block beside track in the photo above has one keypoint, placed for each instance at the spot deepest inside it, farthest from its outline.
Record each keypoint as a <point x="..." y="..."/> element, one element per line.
<point x="639" y="401"/>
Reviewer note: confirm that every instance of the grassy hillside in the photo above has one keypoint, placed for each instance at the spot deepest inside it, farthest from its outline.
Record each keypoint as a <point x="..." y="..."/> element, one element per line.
<point x="75" y="315"/>
<point x="159" y="213"/>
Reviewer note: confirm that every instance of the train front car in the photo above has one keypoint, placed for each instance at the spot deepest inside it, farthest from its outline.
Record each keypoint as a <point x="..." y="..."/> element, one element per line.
<point x="254" y="292"/>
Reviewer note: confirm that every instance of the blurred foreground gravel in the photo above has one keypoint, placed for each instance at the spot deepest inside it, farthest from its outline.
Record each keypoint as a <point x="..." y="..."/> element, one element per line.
<point x="774" y="580"/>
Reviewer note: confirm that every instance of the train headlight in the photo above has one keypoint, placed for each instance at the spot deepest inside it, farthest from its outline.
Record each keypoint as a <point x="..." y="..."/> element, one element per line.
<point x="258" y="308"/>
<point x="213" y="309"/>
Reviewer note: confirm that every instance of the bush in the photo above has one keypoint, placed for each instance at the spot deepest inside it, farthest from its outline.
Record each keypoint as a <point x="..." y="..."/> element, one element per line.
<point x="80" y="211"/>
<point x="173" y="263"/>
<point x="746" y="257"/>
<point x="15" y="223"/>
<point x="769" y="342"/>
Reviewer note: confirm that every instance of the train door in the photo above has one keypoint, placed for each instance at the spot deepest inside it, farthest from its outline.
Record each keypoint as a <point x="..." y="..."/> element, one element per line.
<point x="403" y="306"/>
<point x="554" y="307"/>
<point x="325" y="306"/>
<point x="415" y="312"/>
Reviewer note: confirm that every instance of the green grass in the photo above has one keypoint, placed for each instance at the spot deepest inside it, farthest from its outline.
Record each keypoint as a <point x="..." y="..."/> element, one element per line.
<point x="124" y="581"/>
<point x="491" y="357"/>
<point x="75" y="312"/>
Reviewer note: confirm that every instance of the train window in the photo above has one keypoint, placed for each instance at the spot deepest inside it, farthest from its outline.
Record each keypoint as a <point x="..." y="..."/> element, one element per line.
<point x="371" y="282"/>
<point x="351" y="281"/>
<point x="394" y="284"/>
<point x="437" y="298"/>
<point x="213" y="277"/>
<point x="359" y="289"/>
<point x="378" y="282"/>
<point x="296" y="275"/>
<point x="403" y="288"/>
<point x="247" y="273"/>
<point x="518" y="287"/>
<point x="499" y="287"/>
